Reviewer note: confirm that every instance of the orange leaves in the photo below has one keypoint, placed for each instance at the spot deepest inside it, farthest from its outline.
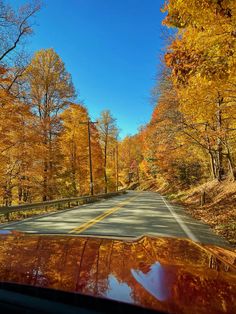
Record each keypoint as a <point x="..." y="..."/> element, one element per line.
<point x="5" y="97"/>
<point x="73" y="143"/>
<point x="183" y="60"/>
<point x="130" y="158"/>
<point x="74" y="147"/>
<point x="197" y="13"/>
<point x="202" y="61"/>
<point x="206" y="44"/>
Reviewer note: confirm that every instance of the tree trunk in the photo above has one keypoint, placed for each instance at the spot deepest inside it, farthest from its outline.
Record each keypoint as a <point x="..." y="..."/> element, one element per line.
<point x="231" y="165"/>
<point x="212" y="157"/>
<point x="51" y="188"/>
<point x="20" y="192"/>
<point x="105" y="164"/>
<point x="8" y="194"/>
<point x="220" y="170"/>
<point x="213" y="167"/>
<point x="45" y="181"/>
<point x="26" y="193"/>
<point x="45" y="163"/>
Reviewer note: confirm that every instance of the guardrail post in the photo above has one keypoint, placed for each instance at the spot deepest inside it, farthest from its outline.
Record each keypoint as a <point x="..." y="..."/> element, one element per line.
<point x="203" y="198"/>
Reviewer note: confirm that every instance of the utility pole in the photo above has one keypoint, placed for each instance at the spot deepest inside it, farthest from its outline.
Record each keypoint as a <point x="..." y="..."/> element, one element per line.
<point x="90" y="157"/>
<point x="117" y="167"/>
<point x="90" y="160"/>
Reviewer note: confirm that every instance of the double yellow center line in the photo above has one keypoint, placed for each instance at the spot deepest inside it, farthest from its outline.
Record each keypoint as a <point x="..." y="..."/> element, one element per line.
<point x="93" y="221"/>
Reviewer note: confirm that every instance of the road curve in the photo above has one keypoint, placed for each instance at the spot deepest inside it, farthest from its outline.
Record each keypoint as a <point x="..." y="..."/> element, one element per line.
<point x="130" y="215"/>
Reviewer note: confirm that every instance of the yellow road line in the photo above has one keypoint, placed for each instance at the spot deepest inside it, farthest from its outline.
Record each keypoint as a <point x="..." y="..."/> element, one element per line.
<point x="93" y="221"/>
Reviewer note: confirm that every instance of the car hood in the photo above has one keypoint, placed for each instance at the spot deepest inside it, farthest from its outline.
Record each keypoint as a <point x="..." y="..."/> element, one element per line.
<point x="165" y="274"/>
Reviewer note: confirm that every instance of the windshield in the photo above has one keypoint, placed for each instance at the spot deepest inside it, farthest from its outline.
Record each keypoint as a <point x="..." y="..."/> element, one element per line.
<point x="118" y="122"/>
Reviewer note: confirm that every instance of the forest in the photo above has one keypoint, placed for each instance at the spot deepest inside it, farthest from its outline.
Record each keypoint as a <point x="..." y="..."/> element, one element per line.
<point x="49" y="146"/>
<point x="191" y="137"/>
<point x="48" y="141"/>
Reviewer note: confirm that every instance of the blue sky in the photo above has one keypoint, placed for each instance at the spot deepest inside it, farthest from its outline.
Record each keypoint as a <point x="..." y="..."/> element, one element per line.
<point x="111" y="48"/>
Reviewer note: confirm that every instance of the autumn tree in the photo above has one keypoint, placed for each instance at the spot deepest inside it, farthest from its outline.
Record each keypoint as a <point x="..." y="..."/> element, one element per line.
<point x="74" y="146"/>
<point x="17" y="136"/>
<point x="202" y="60"/>
<point x="15" y="27"/>
<point x="43" y="134"/>
<point x="108" y="133"/>
<point x="50" y="90"/>
<point x="191" y="135"/>
<point x="75" y="152"/>
<point x="130" y="157"/>
<point x="97" y="159"/>
<point x="18" y="148"/>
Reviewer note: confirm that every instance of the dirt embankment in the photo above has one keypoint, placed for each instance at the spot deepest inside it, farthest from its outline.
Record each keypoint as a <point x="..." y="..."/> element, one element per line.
<point x="219" y="210"/>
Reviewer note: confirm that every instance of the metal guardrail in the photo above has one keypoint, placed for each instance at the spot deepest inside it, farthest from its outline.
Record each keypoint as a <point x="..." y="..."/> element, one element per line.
<point x="69" y="202"/>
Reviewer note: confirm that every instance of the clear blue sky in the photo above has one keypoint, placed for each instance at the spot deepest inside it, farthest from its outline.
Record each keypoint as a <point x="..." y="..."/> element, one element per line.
<point x="111" y="48"/>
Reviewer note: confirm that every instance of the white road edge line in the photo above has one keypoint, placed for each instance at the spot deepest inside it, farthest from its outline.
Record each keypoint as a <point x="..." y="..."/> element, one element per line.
<point x="180" y="222"/>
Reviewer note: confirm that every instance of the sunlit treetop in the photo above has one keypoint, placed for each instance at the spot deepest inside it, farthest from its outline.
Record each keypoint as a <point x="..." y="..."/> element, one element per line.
<point x="197" y="13"/>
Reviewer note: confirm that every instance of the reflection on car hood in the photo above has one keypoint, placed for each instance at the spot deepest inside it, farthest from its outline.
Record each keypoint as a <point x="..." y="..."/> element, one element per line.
<point x="166" y="274"/>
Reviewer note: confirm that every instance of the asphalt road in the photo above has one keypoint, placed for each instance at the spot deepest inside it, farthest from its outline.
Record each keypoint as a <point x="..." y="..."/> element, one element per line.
<point x="130" y="215"/>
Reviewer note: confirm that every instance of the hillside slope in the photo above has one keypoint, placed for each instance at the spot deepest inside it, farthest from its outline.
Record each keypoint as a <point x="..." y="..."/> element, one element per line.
<point x="219" y="210"/>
